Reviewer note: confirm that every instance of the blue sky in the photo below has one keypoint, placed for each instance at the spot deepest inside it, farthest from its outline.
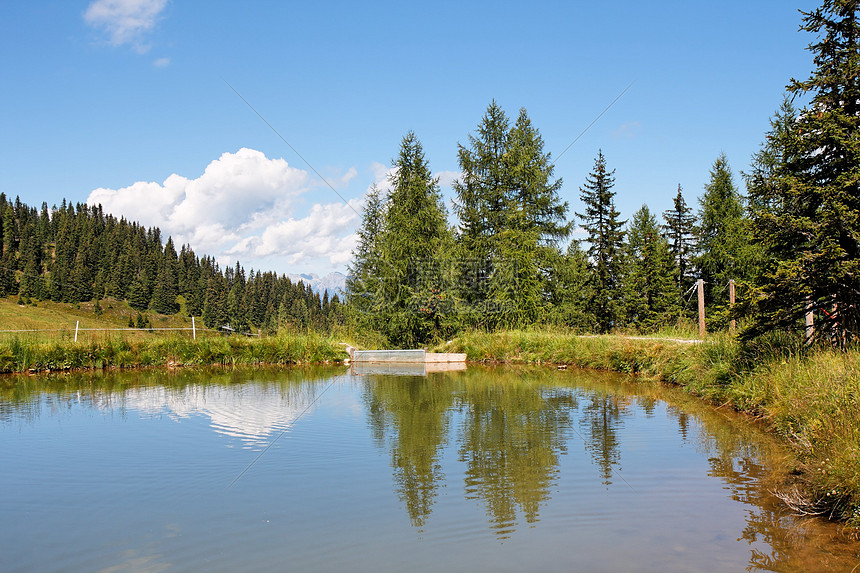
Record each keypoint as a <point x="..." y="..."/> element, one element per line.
<point x="125" y="102"/>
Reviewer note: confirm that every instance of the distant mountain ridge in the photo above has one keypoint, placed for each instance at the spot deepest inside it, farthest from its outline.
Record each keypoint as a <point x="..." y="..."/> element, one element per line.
<point x="332" y="283"/>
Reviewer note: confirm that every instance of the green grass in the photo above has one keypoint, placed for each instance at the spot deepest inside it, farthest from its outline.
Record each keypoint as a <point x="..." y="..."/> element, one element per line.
<point x="809" y="398"/>
<point x="54" y="348"/>
<point x="21" y="354"/>
<point x="56" y="321"/>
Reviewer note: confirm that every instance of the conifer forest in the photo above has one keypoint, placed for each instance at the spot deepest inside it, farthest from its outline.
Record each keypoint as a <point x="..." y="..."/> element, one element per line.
<point x="508" y="252"/>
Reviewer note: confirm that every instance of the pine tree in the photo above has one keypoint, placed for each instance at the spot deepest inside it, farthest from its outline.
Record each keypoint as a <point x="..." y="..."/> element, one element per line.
<point x="365" y="280"/>
<point x="679" y="231"/>
<point x="414" y="244"/>
<point x="605" y="239"/>
<point x="138" y="297"/>
<point x="649" y="279"/>
<point x="569" y="288"/>
<point x="724" y="244"/>
<point x="805" y="188"/>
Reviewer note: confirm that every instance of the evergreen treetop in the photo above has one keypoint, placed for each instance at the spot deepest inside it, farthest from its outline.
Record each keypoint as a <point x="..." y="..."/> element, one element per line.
<point x="679" y="230"/>
<point x="805" y="188"/>
<point x="605" y="238"/>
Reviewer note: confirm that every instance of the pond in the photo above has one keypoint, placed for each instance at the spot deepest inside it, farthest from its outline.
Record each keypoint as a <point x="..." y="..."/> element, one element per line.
<point x="322" y="469"/>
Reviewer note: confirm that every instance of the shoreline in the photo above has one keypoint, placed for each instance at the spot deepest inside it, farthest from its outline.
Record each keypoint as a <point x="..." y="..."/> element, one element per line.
<point x="807" y="400"/>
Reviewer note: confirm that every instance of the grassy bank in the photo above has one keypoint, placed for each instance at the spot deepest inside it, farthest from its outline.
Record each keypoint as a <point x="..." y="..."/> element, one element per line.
<point x="812" y="399"/>
<point x="32" y="353"/>
<point x="58" y="320"/>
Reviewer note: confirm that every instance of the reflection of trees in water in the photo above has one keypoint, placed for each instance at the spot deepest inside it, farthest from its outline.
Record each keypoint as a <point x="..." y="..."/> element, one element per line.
<point x="414" y="413"/>
<point x="508" y="436"/>
<point x="753" y="465"/>
<point x="511" y="440"/>
<point x="601" y="420"/>
<point x="778" y="539"/>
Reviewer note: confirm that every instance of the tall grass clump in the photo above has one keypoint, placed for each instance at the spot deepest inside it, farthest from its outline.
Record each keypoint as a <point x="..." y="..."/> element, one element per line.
<point x="814" y="401"/>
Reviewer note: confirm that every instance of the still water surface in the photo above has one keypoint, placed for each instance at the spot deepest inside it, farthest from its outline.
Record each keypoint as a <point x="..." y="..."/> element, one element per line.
<point x="491" y="469"/>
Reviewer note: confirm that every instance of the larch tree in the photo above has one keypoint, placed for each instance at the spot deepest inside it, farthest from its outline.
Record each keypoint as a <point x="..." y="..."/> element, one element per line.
<point x="534" y="221"/>
<point x="511" y="219"/>
<point x="481" y="200"/>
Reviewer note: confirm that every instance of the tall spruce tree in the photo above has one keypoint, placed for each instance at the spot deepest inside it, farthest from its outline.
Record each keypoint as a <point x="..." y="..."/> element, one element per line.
<point x="650" y="290"/>
<point x="805" y="188"/>
<point x="415" y="244"/>
<point x="9" y="230"/>
<point x="679" y="230"/>
<point x="138" y="297"/>
<point x="365" y="276"/>
<point x="605" y="239"/>
<point x="8" y="286"/>
<point x="164" y="293"/>
<point x="725" y="252"/>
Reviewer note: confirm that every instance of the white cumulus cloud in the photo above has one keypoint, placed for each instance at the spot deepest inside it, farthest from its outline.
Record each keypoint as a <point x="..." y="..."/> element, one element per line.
<point x="447" y="178"/>
<point x="242" y="207"/>
<point x="125" y="21"/>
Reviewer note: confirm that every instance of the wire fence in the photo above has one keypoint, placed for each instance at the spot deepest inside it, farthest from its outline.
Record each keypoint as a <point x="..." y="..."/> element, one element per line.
<point x="74" y="331"/>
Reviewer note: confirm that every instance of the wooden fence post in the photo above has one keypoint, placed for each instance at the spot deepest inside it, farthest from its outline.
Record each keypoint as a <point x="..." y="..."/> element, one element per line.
<point x="732" y="324"/>
<point x="77" y="323"/>
<point x="700" y="284"/>
<point x="193" y="329"/>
